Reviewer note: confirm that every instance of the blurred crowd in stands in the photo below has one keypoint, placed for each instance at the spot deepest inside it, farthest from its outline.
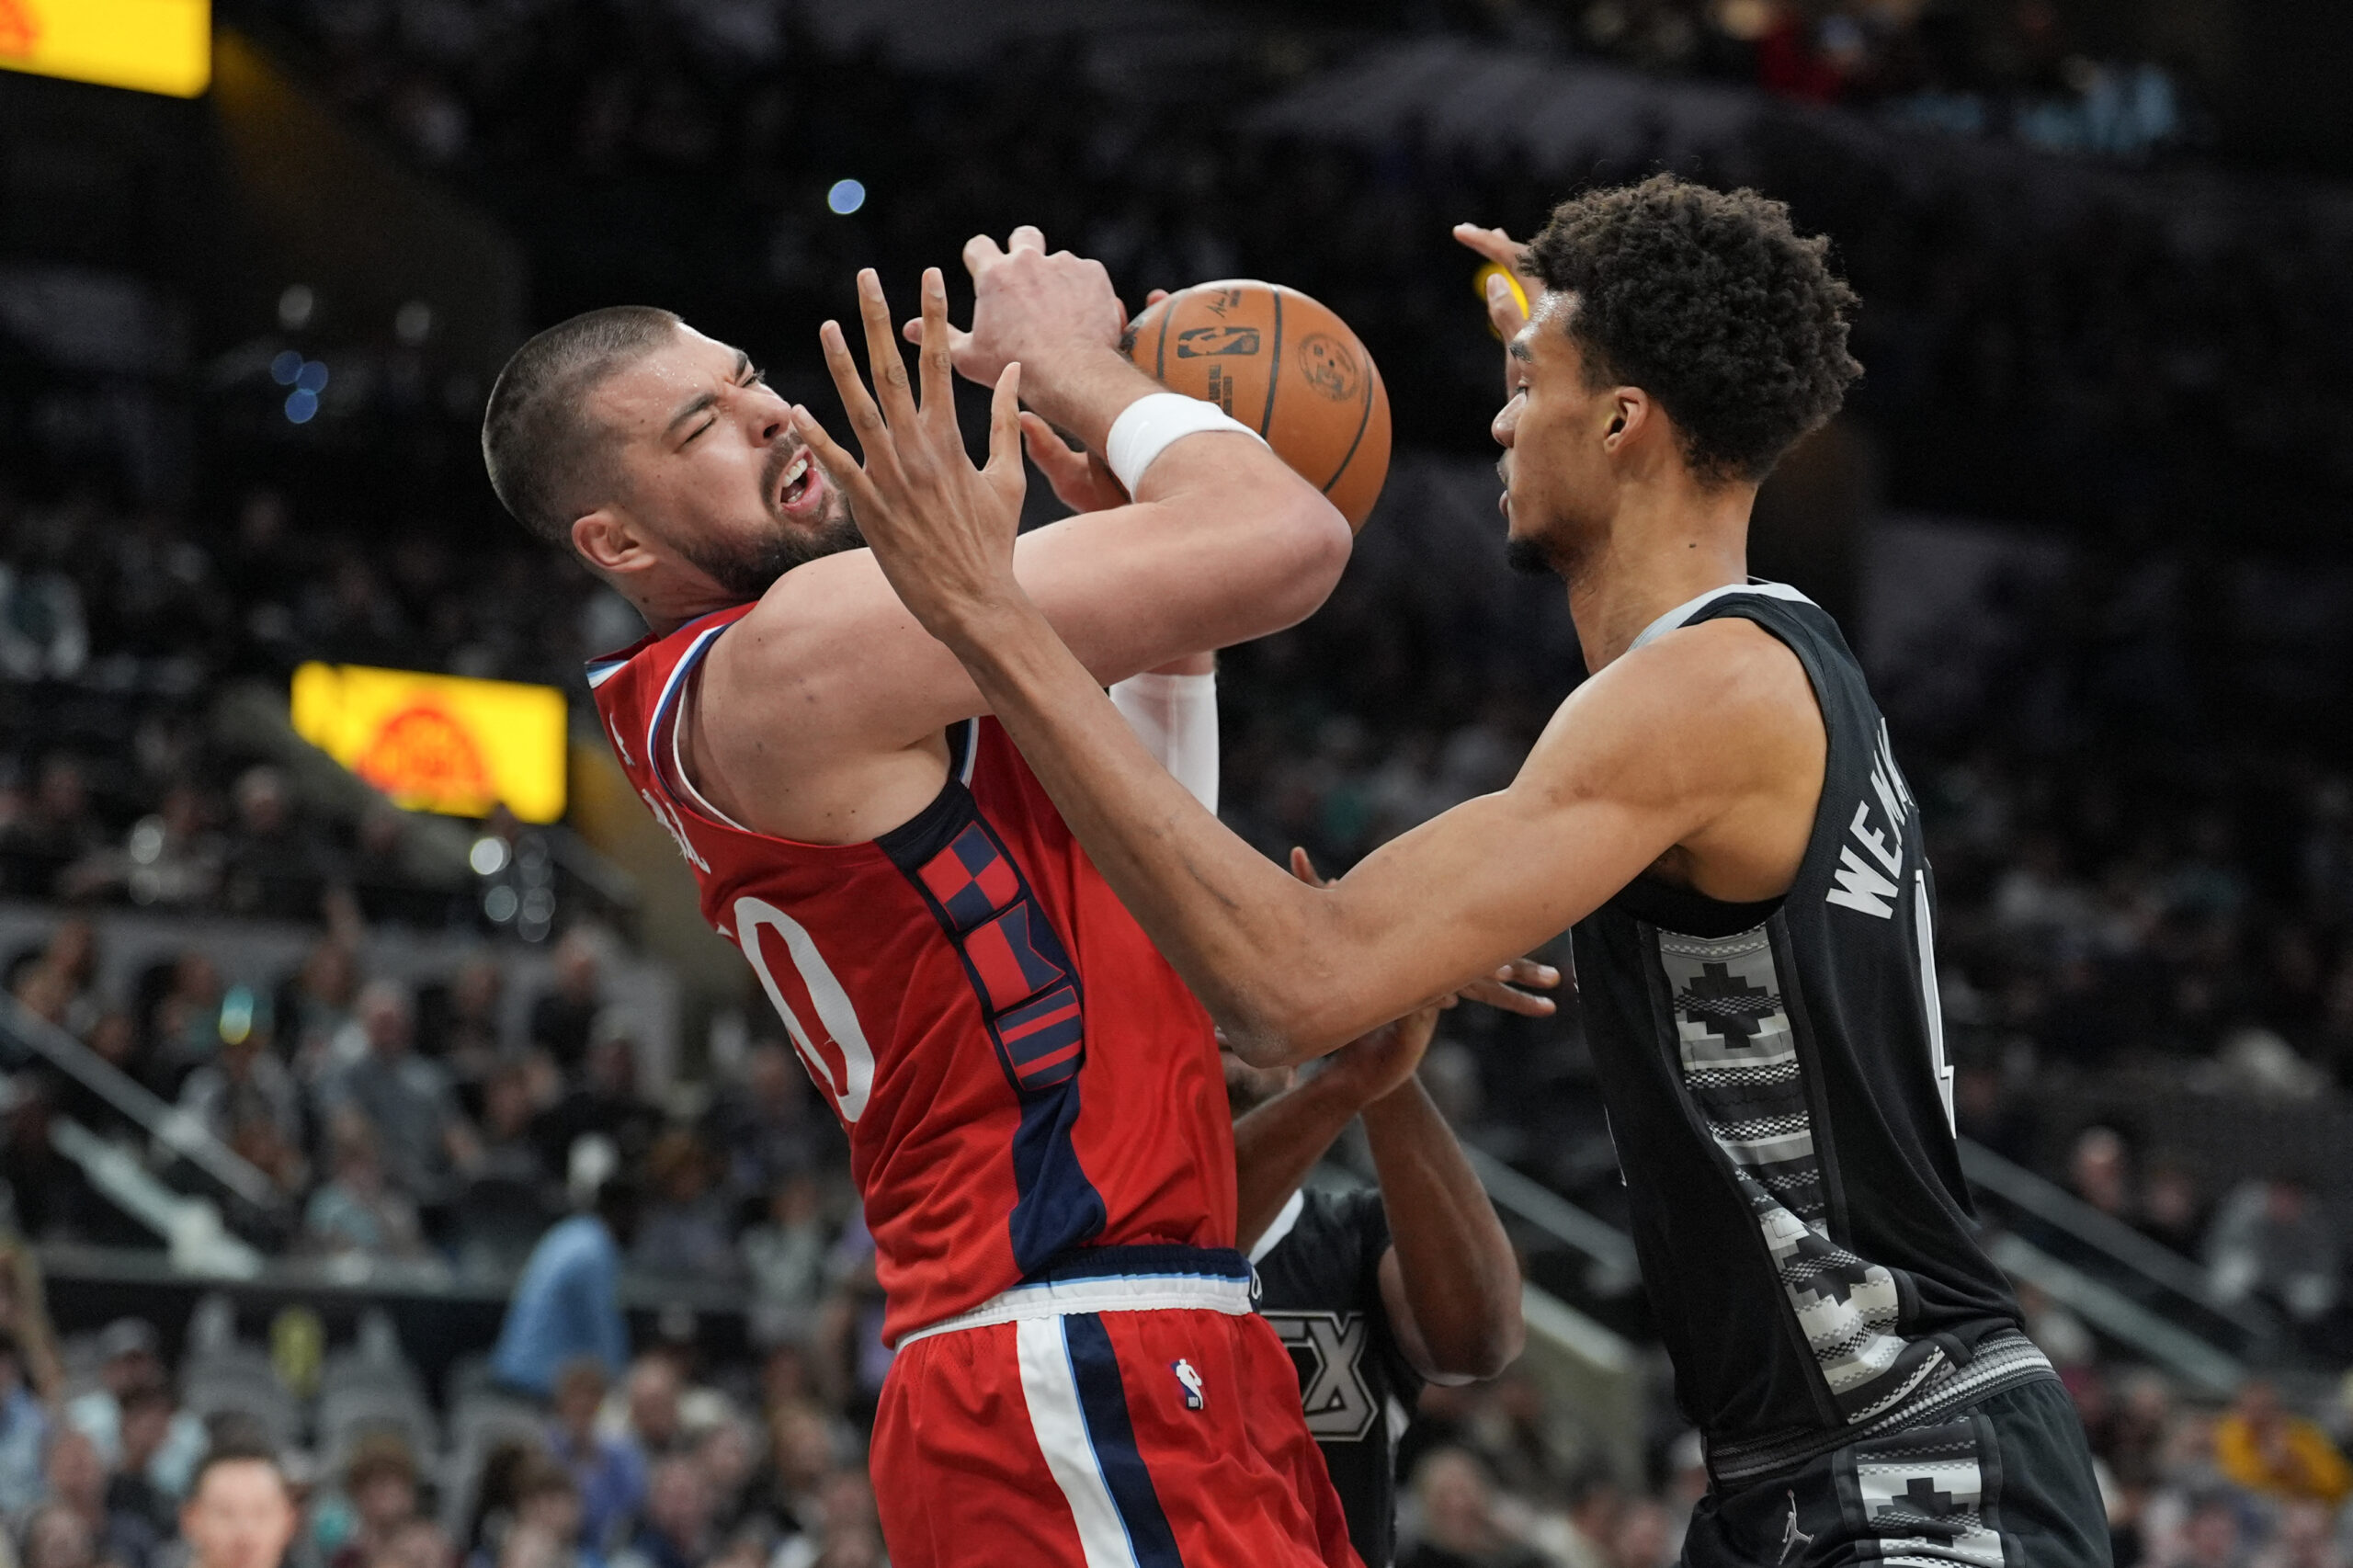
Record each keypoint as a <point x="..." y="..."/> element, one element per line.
<point x="2015" y="69"/>
<point x="2044" y="340"/>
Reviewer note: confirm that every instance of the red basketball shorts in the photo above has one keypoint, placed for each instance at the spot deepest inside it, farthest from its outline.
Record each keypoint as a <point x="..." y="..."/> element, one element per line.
<point x="1128" y="1411"/>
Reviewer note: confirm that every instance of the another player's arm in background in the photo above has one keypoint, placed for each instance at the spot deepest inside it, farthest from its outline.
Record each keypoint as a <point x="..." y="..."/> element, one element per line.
<point x="1691" y="741"/>
<point x="1223" y="543"/>
<point x="1449" y="1281"/>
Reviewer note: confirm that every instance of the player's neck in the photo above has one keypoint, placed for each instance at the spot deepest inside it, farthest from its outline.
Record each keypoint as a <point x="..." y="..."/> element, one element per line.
<point x="1662" y="550"/>
<point x="666" y="612"/>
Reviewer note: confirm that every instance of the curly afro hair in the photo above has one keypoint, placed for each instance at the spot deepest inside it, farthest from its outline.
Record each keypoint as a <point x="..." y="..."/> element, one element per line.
<point x="1711" y="303"/>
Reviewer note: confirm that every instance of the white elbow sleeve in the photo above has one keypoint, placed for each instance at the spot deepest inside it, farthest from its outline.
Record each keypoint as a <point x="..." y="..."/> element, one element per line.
<point x="1176" y="717"/>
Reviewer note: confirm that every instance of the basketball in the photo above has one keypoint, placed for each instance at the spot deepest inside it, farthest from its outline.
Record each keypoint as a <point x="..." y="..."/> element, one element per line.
<point x="1283" y="365"/>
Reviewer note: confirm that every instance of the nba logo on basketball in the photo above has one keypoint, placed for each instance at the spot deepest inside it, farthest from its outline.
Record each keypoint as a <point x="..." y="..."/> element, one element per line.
<point x="1191" y="1381"/>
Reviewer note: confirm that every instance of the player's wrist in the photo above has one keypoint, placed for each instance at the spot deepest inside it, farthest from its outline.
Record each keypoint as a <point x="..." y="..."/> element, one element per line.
<point x="1082" y="387"/>
<point x="1393" y="1101"/>
<point x="984" y="625"/>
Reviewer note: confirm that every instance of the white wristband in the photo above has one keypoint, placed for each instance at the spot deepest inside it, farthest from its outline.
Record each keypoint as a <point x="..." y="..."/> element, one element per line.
<point x="1146" y="428"/>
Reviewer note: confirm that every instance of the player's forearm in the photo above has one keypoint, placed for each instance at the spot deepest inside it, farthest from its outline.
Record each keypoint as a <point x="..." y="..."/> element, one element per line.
<point x="1276" y="1145"/>
<point x="1245" y="936"/>
<point x="1460" y="1275"/>
<point x="1261" y="548"/>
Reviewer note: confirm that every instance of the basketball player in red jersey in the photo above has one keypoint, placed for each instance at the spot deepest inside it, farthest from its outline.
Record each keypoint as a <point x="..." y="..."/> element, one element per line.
<point x="1034" y="1102"/>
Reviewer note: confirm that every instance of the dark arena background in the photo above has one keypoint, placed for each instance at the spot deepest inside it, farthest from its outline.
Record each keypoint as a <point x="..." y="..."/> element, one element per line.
<point x="299" y="776"/>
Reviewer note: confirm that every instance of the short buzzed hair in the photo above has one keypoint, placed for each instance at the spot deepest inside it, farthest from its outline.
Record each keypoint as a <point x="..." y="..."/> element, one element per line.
<point x="536" y="440"/>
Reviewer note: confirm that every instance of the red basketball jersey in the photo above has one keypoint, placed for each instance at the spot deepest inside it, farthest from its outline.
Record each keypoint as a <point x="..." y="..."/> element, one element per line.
<point x="1019" y="1071"/>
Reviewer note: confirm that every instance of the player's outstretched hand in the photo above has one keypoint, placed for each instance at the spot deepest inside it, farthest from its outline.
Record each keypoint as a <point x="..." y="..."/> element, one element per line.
<point x="1032" y="306"/>
<point x="941" y="529"/>
<point x="1506" y="304"/>
<point x="1511" y="988"/>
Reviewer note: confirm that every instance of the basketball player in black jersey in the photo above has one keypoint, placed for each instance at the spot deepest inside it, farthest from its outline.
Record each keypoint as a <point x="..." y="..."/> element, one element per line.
<point x="1374" y="1291"/>
<point x="1717" y="814"/>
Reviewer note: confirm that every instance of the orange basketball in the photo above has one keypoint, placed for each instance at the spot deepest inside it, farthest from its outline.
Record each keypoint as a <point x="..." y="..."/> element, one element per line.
<point x="1286" y="367"/>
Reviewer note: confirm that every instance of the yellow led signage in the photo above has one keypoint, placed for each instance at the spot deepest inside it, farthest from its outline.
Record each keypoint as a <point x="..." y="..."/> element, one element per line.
<point x="438" y="742"/>
<point x="153" y="46"/>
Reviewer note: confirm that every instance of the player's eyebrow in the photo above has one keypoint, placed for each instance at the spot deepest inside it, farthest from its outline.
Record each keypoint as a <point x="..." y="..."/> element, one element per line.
<point x="1519" y="349"/>
<point x="701" y="400"/>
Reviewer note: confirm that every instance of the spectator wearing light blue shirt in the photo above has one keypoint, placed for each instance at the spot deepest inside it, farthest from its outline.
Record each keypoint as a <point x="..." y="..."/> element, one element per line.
<point x="567" y="1304"/>
<point x="130" y="1360"/>
<point x="24" y="1435"/>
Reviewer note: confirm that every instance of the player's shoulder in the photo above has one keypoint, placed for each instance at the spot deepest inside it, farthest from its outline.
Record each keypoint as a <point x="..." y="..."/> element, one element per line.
<point x="1726" y="692"/>
<point x="1723" y="663"/>
<point x="658" y="653"/>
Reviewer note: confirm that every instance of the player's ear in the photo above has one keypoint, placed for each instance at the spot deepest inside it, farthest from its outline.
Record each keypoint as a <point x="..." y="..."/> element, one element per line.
<point x="608" y="542"/>
<point x="1629" y="412"/>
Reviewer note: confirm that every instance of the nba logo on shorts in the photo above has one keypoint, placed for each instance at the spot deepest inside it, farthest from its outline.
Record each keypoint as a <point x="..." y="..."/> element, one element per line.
<point x="1191" y="1381"/>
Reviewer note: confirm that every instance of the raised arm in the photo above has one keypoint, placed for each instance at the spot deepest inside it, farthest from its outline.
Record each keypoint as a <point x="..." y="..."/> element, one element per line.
<point x="1292" y="972"/>
<point x="1224" y="543"/>
<point x="1449" y="1281"/>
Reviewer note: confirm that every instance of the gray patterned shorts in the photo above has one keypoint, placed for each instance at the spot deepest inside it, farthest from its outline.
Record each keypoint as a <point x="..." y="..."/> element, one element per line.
<point x="2005" y="1483"/>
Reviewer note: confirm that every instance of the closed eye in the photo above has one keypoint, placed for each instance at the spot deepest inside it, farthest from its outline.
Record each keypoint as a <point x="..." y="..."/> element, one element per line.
<point x="752" y="377"/>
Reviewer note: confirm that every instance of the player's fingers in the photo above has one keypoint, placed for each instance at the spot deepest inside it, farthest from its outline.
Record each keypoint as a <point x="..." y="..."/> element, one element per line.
<point x="889" y="368"/>
<point x="1027" y="237"/>
<point x="1506" y="999"/>
<point x="1053" y="456"/>
<point x="1004" y="470"/>
<point x="1506" y="310"/>
<point x="1528" y="973"/>
<point x="958" y="340"/>
<point x="865" y="418"/>
<point x="938" y="370"/>
<point x="981" y="253"/>
<point x="841" y="469"/>
<point x="1304" y="869"/>
<point x="1494" y="244"/>
<point x="1155" y="298"/>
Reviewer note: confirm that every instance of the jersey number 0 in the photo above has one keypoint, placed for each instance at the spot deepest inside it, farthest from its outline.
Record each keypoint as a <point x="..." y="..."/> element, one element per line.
<point x="838" y="1018"/>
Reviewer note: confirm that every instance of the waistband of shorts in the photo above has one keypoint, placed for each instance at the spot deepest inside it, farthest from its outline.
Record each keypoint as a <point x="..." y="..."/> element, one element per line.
<point x="1149" y="1278"/>
<point x="2003" y="1361"/>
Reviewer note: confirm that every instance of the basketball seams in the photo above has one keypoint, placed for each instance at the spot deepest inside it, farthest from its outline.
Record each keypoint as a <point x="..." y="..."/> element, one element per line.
<point x="1227" y="332"/>
<point x="1274" y="361"/>
<point x="1364" y="421"/>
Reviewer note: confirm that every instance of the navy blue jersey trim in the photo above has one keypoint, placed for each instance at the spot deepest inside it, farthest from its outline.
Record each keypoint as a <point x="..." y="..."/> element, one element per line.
<point x="1103" y="1400"/>
<point x="1030" y="998"/>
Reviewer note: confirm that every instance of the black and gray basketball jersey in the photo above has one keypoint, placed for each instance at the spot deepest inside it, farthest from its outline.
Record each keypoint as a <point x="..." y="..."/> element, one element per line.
<point x="1777" y="1086"/>
<point x="1319" y="1286"/>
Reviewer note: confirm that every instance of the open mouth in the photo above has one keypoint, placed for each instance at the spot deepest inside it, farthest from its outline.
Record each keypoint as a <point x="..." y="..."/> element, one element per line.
<point x="802" y="485"/>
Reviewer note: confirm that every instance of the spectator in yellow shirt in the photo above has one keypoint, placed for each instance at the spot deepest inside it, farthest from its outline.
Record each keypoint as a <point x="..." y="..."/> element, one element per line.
<point x="2262" y="1448"/>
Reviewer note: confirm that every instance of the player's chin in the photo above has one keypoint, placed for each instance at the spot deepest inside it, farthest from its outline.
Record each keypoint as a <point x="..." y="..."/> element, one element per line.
<point x="1527" y="555"/>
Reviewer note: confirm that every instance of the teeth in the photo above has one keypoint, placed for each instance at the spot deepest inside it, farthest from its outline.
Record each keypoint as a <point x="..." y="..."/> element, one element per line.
<point x="799" y="467"/>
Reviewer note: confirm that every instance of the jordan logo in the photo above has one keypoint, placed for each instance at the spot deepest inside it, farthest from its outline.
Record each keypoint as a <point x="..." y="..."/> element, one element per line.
<point x="1791" y="1537"/>
<point x="1191" y="1381"/>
